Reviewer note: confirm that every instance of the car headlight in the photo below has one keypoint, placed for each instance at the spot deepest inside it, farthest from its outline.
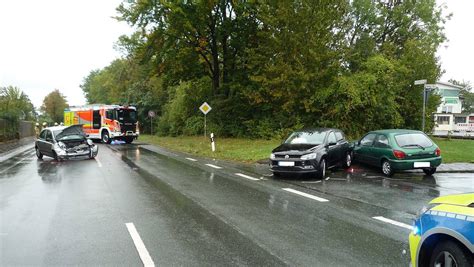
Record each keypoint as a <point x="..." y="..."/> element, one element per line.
<point x="89" y="142"/>
<point x="424" y="209"/>
<point x="62" y="145"/>
<point x="309" y="156"/>
<point x="416" y="229"/>
<point x="272" y="156"/>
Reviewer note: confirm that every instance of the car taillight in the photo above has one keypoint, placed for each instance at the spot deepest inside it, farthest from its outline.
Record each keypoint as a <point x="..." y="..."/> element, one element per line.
<point x="438" y="152"/>
<point x="399" y="154"/>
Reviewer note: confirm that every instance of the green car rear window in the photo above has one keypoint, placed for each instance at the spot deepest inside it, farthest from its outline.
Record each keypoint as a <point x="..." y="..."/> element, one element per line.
<point x="413" y="140"/>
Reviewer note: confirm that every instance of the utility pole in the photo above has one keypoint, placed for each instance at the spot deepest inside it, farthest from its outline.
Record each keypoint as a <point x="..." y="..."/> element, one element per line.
<point x="419" y="82"/>
<point x="424" y="108"/>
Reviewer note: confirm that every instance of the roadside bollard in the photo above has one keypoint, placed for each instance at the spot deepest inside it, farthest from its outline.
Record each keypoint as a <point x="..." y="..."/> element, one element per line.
<point x="213" y="144"/>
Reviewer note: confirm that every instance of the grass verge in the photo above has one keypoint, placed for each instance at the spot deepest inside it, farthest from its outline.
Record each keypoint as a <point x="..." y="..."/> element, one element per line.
<point x="252" y="150"/>
<point x="236" y="149"/>
<point x="456" y="150"/>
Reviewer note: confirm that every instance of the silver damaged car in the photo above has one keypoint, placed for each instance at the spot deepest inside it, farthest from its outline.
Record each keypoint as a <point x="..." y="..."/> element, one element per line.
<point x="64" y="142"/>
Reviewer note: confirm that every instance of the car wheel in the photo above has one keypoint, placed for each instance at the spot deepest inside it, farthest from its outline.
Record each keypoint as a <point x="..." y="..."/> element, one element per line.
<point x="276" y="174"/>
<point x="91" y="154"/>
<point x="128" y="140"/>
<point x="449" y="253"/>
<point x="322" y="169"/>
<point x="429" y="171"/>
<point x="38" y="153"/>
<point x="106" y="138"/>
<point x="55" y="156"/>
<point x="348" y="160"/>
<point x="387" y="168"/>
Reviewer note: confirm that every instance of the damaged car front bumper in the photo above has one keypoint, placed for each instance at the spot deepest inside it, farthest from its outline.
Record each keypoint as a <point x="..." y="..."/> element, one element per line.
<point x="82" y="150"/>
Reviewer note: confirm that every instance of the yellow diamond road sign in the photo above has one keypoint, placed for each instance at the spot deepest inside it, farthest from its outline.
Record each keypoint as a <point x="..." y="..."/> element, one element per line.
<point x="205" y="108"/>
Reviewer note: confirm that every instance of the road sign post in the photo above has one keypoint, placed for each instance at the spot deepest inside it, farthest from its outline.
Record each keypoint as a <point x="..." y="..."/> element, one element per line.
<point x="419" y="82"/>
<point x="213" y="144"/>
<point x="205" y="108"/>
<point x="151" y="114"/>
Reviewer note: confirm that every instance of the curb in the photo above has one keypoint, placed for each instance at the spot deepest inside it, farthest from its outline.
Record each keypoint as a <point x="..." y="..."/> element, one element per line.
<point x="14" y="147"/>
<point x="263" y="162"/>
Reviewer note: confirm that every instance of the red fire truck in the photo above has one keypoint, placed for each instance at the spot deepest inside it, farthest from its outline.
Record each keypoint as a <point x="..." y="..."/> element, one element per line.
<point x="105" y="122"/>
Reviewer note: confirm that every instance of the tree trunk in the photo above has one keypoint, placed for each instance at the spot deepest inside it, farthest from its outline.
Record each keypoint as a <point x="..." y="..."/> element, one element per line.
<point x="225" y="37"/>
<point x="215" y="57"/>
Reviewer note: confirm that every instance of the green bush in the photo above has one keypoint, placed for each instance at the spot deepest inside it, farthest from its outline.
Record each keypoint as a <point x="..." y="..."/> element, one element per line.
<point x="8" y="127"/>
<point x="181" y="113"/>
<point x="194" y="125"/>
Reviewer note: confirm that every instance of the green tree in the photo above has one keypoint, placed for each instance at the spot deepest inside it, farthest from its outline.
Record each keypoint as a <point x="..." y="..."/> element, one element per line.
<point x="407" y="33"/>
<point x="466" y="95"/>
<point x="267" y="67"/>
<point x="54" y="104"/>
<point x="297" y="57"/>
<point x="190" y="38"/>
<point x="15" y="104"/>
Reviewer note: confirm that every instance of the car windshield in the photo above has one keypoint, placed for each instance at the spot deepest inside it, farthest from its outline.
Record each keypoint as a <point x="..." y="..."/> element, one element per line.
<point x="306" y="137"/>
<point x="67" y="137"/>
<point x="127" y="115"/>
<point x="413" y="140"/>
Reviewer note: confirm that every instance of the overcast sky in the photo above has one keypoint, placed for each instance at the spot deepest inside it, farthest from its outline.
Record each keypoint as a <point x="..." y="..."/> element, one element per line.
<point x="54" y="44"/>
<point x="457" y="55"/>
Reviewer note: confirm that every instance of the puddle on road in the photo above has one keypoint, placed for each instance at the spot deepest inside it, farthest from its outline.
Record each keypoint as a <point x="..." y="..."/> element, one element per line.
<point x="418" y="183"/>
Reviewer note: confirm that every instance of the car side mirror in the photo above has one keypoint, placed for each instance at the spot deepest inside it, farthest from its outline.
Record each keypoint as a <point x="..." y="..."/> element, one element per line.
<point x="89" y="142"/>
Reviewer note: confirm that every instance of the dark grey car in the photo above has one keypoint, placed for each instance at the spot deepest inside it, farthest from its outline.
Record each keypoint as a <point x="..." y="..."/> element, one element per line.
<point x="61" y="142"/>
<point x="311" y="151"/>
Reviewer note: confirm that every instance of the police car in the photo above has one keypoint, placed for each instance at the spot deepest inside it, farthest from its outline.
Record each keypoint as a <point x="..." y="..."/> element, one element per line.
<point x="443" y="234"/>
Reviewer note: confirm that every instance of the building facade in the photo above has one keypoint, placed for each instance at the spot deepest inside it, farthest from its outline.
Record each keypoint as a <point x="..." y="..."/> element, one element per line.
<point x="449" y="118"/>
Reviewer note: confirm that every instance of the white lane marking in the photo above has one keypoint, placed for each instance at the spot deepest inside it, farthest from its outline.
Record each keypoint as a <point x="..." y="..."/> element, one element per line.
<point x="305" y="195"/>
<point x="191" y="159"/>
<point x="142" y="251"/>
<point x="247" y="177"/>
<point x="313" y="182"/>
<point x="400" y="224"/>
<point x="214" y="166"/>
<point x="17" y="163"/>
<point x="12" y="153"/>
<point x="98" y="162"/>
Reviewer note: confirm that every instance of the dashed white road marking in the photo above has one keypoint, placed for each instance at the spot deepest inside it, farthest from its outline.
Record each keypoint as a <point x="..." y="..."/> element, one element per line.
<point x="142" y="251"/>
<point x="400" y="224"/>
<point x="17" y="163"/>
<point x="214" y="166"/>
<point x="191" y="159"/>
<point x="312" y="182"/>
<point x="306" y="195"/>
<point x="247" y="177"/>
<point x="98" y="162"/>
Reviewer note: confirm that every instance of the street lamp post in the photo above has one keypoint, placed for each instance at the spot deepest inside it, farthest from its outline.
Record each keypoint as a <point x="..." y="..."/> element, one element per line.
<point x="419" y="82"/>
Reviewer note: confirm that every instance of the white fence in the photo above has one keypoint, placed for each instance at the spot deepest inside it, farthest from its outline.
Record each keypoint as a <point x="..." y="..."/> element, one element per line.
<point x="464" y="127"/>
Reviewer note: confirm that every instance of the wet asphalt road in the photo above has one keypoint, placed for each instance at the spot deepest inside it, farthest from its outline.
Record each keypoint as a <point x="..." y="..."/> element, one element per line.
<point x="189" y="213"/>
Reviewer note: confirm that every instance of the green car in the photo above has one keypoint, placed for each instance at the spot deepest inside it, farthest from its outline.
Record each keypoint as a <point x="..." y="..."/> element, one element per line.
<point x="394" y="150"/>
